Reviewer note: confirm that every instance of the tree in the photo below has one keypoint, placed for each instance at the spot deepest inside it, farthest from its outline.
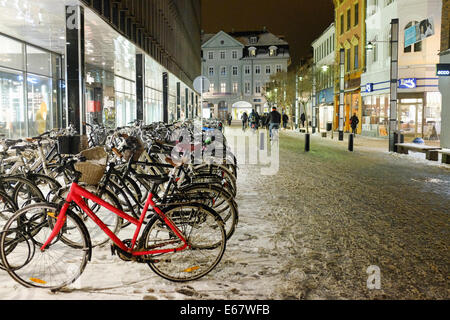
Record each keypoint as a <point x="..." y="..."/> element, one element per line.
<point x="280" y="92"/>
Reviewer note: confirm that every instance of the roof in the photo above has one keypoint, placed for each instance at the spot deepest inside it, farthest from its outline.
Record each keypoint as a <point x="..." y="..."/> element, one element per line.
<point x="264" y="38"/>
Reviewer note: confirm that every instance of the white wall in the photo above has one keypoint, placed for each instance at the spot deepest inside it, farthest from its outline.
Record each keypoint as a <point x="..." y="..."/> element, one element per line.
<point x="444" y="85"/>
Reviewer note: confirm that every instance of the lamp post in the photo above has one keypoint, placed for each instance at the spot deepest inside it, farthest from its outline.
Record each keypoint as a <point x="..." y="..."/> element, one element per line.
<point x="341" y="93"/>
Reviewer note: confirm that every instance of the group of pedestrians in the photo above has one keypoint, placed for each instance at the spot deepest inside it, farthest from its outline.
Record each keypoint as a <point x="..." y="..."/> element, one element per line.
<point x="271" y="120"/>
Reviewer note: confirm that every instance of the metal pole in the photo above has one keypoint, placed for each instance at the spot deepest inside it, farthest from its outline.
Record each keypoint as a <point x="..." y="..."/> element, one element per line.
<point x="314" y="118"/>
<point x="341" y="93"/>
<point x="393" y="122"/>
<point x="296" y="101"/>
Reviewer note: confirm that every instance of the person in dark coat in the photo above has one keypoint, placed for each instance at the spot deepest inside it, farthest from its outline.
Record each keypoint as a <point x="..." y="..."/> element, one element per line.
<point x="354" y="123"/>
<point x="303" y="119"/>
<point x="274" y="120"/>
<point x="285" y="120"/>
<point x="244" y="119"/>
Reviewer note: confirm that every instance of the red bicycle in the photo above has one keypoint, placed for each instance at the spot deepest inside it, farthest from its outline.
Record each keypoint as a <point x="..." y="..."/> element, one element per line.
<point x="47" y="245"/>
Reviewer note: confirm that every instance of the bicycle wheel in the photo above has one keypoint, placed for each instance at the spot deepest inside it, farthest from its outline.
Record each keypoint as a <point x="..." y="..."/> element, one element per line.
<point x="7" y="208"/>
<point x="60" y="263"/>
<point x="217" y="198"/>
<point x="205" y="235"/>
<point x="21" y="190"/>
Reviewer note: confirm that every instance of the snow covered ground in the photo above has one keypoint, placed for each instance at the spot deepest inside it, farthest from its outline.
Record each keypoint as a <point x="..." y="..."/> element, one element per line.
<point x="308" y="232"/>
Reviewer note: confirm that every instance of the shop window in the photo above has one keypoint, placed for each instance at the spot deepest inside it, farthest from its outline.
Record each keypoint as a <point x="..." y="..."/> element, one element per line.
<point x="12" y="111"/>
<point x="11" y="53"/>
<point x="38" y="61"/>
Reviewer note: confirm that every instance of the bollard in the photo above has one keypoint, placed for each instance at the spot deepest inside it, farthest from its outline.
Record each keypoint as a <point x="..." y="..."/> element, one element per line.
<point x="307" y="142"/>
<point x="350" y="142"/>
<point x="261" y="141"/>
<point x="341" y="135"/>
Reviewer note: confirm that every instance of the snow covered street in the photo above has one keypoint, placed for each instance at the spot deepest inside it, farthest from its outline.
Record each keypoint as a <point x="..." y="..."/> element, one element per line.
<point x="311" y="231"/>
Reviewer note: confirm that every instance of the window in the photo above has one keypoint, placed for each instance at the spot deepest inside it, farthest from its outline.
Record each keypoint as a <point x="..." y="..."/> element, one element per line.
<point x="356" y="53"/>
<point x="222" y="55"/>
<point x="342" y="24"/>
<point x="247" y="69"/>
<point x="235" y="70"/>
<point x="211" y="71"/>
<point x="235" y="87"/>
<point x="375" y="50"/>
<point x="349" y="19"/>
<point x="252" y="51"/>
<point x="247" y="87"/>
<point x="272" y="51"/>
<point x="278" y="68"/>
<point x="223" y="71"/>
<point x="349" y="54"/>
<point x="258" y="87"/>
<point x="211" y="55"/>
<point x="223" y="87"/>
<point x="257" y="69"/>
<point x="268" y="70"/>
<point x="211" y="87"/>
<point x="356" y="14"/>
<point x="253" y="40"/>
<point x="234" y="54"/>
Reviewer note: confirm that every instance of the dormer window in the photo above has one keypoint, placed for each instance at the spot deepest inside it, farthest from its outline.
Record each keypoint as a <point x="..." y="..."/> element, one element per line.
<point x="252" y="51"/>
<point x="272" y="51"/>
<point x="253" y="40"/>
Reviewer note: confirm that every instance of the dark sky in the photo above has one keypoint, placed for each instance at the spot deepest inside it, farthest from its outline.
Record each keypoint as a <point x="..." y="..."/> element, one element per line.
<point x="300" y="21"/>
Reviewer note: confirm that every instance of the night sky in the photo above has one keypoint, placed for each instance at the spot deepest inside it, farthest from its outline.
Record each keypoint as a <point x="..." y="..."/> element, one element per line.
<point x="300" y="21"/>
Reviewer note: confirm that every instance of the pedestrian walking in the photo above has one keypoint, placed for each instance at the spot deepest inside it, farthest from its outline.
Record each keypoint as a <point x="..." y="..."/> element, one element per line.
<point x="303" y="119"/>
<point x="354" y="123"/>
<point x="274" y="120"/>
<point x="244" y="119"/>
<point x="285" y="120"/>
<point x="229" y="118"/>
<point x="253" y="119"/>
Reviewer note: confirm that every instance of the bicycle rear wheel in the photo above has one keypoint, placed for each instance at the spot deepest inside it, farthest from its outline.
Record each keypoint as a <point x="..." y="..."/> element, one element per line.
<point x="61" y="263"/>
<point x="205" y="235"/>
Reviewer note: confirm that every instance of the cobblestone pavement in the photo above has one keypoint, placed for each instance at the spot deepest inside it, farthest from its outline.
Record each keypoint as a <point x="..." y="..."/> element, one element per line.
<point x="313" y="229"/>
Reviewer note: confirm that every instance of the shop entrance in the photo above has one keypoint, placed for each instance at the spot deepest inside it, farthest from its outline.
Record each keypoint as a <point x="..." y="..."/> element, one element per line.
<point x="410" y="117"/>
<point x="239" y="108"/>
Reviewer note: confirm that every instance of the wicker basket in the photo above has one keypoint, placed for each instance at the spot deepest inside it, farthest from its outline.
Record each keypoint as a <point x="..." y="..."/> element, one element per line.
<point x="94" y="167"/>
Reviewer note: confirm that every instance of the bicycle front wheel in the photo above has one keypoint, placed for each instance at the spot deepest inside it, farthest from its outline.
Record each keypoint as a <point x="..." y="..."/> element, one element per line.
<point x="205" y="234"/>
<point x="61" y="263"/>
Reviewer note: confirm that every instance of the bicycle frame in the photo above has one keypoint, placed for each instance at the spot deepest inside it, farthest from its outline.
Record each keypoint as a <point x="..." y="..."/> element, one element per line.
<point x="76" y="195"/>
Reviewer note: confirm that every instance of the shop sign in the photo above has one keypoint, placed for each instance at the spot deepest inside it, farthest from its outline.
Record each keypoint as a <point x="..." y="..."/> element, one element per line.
<point x="369" y="87"/>
<point x="443" y="70"/>
<point x="407" y="83"/>
<point x="419" y="32"/>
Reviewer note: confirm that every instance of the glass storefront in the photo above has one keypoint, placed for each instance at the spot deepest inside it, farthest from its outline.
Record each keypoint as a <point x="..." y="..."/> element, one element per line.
<point x="375" y="116"/>
<point x="153" y="107"/>
<point x="30" y="93"/>
<point x="418" y="115"/>
<point x="125" y="101"/>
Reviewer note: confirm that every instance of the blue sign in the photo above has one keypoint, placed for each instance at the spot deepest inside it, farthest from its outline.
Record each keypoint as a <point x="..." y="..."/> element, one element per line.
<point x="408" y="83"/>
<point x="369" y="87"/>
<point x="410" y="36"/>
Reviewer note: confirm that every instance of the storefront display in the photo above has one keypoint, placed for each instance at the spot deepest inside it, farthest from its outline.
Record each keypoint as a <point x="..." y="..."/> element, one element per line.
<point x="30" y="99"/>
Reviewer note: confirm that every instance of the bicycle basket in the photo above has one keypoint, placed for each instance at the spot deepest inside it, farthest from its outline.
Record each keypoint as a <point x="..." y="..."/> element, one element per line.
<point x="94" y="167"/>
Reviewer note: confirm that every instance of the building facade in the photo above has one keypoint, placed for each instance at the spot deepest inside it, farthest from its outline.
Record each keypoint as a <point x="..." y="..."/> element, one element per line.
<point x="419" y="100"/>
<point x="325" y="66"/>
<point x="444" y="78"/>
<point x="69" y="61"/>
<point x="238" y="66"/>
<point x="350" y="36"/>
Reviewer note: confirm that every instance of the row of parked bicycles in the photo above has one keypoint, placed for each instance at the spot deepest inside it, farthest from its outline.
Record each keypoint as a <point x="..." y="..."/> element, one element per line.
<point x="158" y="194"/>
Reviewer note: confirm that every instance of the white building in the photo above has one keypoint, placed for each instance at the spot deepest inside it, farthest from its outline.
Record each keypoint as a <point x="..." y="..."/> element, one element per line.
<point x="419" y="97"/>
<point x="324" y="61"/>
<point x="238" y="66"/>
